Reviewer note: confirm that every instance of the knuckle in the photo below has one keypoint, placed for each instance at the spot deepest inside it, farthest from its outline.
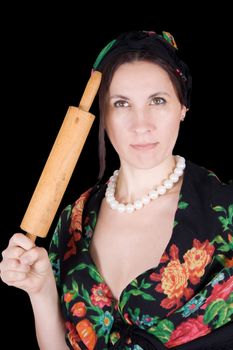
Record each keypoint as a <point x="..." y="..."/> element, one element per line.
<point x="40" y="252"/>
<point x="43" y="251"/>
<point x="13" y="238"/>
<point x="17" y="252"/>
<point x="17" y="236"/>
<point x="4" y="279"/>
<point x="14" y="276"/>
<point x="10" y="284"/>
<point x="11" y="275"/>
<point x="14" y="264"/>
<point x="4" y="253"/>
<point x="12" y="252"/>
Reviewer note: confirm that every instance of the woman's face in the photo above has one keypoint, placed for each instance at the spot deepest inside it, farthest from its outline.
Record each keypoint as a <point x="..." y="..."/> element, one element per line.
<point x="143" y="114"/>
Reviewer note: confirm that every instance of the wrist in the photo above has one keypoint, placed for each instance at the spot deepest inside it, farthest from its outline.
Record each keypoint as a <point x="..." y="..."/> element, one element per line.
<point x="48" y="289"/>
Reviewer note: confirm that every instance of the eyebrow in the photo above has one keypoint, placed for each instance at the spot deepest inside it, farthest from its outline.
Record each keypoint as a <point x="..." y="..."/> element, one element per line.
<point x="150" y="97"/>
<point x="119" y="96"/>
<point x="158" y="94"/>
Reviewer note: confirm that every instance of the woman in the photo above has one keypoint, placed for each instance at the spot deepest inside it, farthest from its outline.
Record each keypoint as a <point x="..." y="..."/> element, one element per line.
<point x="144" y="261"/>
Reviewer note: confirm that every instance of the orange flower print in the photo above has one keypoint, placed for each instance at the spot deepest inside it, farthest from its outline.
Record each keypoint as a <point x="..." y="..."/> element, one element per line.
<point x="76" y="215"/>
<point x="197" y="258"/>
<point x="101" y="295"/>
<point x="72" y="247"/>
<point x="76" y="225"/>
<point x="68" y="297"/>
<point x="87" y="333"/>
<point x="73" y="336"/>
<point x="79" y="309"/>
<point x="228" y="262"/>
<point x="174" y="279"/>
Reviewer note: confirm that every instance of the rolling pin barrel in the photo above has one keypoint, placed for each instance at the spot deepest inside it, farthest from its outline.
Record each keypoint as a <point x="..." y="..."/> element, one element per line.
<point x="60" y="164"/>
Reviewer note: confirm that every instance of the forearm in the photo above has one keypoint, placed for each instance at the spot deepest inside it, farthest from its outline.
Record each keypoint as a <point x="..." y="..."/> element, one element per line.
<point x="50" y="330"/>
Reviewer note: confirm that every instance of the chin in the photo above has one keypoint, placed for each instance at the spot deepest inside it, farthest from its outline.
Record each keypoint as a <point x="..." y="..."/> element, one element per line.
<point x="145" y="165"/>
<point x="146" y="161"/>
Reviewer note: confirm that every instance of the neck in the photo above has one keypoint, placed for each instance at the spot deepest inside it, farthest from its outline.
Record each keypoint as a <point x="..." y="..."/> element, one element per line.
<point x="133" y="183"/>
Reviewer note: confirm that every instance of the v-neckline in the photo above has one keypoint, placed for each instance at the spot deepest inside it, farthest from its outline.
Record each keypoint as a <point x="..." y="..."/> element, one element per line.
<point x="175" y="220"/>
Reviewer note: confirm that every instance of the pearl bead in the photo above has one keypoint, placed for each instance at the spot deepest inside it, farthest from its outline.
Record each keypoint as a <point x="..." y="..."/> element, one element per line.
<point x="138" y="204"/>
<point x="145" y="199"/>
<point x="114" y="204"/>
<point x="174" y="177"/>
<point x="153" y="194"/>
<point x="161" y="190"/>
<point x="109" y="199"/>
<point x="181" y="166"/>
<point x="178" y="171"/>
<point x="121" y="208"/>
<point x="129" y="208"/>
<point x="168" y="184"/>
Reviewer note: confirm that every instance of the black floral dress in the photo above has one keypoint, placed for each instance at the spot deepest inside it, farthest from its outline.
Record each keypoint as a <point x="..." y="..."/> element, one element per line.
<point x="184" y="301"/>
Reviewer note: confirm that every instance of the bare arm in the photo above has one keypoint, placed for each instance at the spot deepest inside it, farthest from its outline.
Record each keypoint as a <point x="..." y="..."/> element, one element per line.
<point x="27" y="267"/>
<point x="49" y="323"/>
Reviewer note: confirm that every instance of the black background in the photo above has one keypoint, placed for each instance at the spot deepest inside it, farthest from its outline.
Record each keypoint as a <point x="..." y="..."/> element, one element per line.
<point x="47" y="55"/>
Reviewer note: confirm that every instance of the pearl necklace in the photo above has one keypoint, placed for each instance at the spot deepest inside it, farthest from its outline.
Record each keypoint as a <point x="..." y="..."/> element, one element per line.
<point x="153" y="194"/>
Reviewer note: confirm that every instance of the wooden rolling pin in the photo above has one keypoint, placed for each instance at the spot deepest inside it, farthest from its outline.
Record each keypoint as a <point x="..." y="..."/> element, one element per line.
<point x="60" y="164"/>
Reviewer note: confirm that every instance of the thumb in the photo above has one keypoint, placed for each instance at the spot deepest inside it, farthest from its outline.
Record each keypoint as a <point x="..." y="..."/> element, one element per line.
<point x="36" y="256"/>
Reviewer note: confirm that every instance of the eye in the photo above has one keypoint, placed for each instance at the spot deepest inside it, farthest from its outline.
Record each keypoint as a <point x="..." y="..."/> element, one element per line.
<point x="121" y="103"/>
<point x="158" y="101"/>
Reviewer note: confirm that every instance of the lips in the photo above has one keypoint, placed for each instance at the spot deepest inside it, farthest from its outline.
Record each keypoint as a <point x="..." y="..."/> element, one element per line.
<point x="144" y="146"/>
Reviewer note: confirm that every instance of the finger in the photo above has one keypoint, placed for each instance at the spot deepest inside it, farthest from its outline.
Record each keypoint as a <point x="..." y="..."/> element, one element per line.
<point x="10" y="277"/>
<point x="1" y="269"/>
<point x="12" y="252"/>
<point x="23" y="284"/>
<point x="33" y="256"/>
<point x="14" y="265"/>
<point x="19" y="239"/>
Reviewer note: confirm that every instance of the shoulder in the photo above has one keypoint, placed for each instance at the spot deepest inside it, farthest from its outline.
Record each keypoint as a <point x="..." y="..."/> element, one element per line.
<point x="69" y="224"/>
<point x="210" y="205"/>
<point x="90" y="198"/>
<point x="72" y="218"/>
<point x="208" y="185"/>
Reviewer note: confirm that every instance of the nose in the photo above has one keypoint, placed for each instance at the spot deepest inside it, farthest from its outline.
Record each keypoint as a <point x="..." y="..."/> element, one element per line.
<point x="142" y="122"/>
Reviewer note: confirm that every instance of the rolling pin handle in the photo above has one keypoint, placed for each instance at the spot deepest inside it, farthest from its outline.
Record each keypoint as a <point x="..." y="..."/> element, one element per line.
<point x="32" y="237"/>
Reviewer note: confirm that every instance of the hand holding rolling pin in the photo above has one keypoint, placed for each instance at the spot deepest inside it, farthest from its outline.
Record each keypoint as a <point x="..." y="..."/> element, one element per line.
<point x="25" y="265"/>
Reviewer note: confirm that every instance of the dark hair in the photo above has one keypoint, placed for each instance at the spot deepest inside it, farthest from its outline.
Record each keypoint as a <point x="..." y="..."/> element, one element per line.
<point x="139" y="46"/>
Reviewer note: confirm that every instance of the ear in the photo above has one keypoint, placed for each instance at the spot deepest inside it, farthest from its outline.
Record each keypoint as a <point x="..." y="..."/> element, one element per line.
<point x="183" y="113"/>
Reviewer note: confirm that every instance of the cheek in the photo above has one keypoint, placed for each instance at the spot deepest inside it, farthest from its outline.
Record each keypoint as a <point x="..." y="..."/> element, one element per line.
<point x="170" y="130"/>
<point x="175" y="124"/>
<point x="111" y="131"/>
<point x="117" y="135"/>
<point x="114" y="127"/>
